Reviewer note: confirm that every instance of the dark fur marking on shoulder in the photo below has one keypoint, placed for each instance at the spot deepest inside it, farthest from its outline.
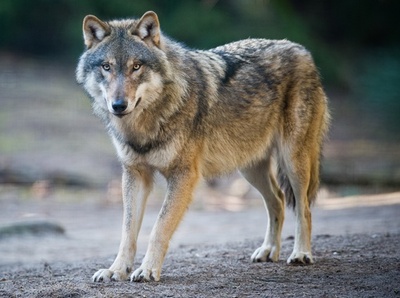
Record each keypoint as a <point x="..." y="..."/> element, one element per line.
<point x="232" y="66"/>
<point x="268" y="78"/>
<point x="202" y="105"/>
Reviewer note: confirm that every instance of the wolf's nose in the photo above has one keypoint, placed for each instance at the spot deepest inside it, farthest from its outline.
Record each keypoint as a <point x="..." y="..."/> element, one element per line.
<point x="119" y="105"/>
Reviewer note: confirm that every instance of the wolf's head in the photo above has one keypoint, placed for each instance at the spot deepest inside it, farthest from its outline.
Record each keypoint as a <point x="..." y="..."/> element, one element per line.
<point x="124" y="64"/>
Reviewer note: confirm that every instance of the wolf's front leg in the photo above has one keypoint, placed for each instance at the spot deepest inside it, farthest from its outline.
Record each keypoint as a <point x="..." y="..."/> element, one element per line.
<point x="136" y="184"/>
<point x="178" y="198"/>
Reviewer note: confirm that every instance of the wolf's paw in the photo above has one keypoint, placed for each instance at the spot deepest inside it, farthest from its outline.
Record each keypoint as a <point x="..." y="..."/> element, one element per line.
<point x="107" y="275"/>
<point x="300" y="258"/>
<point x="145" y="274"/>
<point x="265" y="254"/>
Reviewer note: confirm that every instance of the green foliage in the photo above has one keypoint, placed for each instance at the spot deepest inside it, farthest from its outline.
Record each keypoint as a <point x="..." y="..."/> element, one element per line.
<point x="338" y="33"/>
<point x="377" y="86"/>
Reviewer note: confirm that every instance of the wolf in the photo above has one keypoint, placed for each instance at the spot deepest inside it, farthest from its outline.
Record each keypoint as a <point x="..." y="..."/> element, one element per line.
<point x="192" y="114"/>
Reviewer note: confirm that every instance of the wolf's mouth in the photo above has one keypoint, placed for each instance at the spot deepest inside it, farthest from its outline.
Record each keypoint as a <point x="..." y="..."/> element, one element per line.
<point x="138" y="101"/>
<point x="120" y="115"/>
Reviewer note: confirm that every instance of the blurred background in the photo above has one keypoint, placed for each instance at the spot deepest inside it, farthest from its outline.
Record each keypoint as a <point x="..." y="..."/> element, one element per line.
<point x="47" y="131"/>
<point x="53" y="149"/>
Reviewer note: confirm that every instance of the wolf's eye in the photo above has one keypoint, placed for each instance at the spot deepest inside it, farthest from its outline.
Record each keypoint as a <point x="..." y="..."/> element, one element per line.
<point x="136" y="66"/>
<point x="106" y="66"/>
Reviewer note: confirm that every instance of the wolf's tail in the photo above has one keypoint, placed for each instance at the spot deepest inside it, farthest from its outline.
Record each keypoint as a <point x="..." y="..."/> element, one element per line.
<point x="287" y="189"/>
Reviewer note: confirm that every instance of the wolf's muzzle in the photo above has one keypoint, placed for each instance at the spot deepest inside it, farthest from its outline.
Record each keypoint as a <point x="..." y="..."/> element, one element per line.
<point x="119" y="106"/>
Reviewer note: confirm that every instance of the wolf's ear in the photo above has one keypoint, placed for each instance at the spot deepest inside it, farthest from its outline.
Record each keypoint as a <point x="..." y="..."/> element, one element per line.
<point x="94" y="30"/>
<point x="148" y="28"/>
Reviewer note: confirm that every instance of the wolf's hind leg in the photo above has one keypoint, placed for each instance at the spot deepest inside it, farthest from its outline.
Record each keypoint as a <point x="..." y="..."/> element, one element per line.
<point x="263" y="180"/>
<point x="299" y="177"/>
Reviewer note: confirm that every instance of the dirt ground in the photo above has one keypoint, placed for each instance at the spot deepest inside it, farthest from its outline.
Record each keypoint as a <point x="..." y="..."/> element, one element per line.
<point x="355" y="245"/>
<point x="347" y="266"/>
